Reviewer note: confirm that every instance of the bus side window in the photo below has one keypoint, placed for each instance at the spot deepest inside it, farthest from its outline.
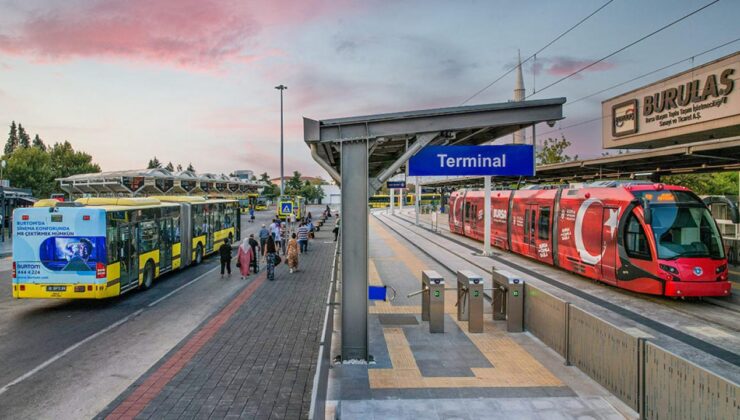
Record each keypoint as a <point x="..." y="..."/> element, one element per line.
<point x="635" y="241"/>
<point x="526" y="225"/>
<point x="112" y="243"/>
<point x="176" y="228"/>
<point x="543" y="231"/>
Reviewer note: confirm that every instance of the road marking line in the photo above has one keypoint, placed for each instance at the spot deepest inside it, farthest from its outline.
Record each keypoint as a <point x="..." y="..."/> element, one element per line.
<point x="97" y="334"/>
<point x="67" y="351"/>
<point x="181" y="287"/>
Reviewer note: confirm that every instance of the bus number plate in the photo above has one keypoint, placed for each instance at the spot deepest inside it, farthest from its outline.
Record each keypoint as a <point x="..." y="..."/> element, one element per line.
<point x="56" y="288"/>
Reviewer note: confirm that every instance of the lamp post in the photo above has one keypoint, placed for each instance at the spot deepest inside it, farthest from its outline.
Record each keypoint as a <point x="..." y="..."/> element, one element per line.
<point x="281" y="88"/>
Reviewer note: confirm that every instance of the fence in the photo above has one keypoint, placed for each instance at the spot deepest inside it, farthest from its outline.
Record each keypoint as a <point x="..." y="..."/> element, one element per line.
<point x="655" y="382"/>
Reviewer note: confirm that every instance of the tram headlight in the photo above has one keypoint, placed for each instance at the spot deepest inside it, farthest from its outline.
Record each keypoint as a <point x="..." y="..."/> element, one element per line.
<point x="668" y="268"/>
<point x="721" y="269"/>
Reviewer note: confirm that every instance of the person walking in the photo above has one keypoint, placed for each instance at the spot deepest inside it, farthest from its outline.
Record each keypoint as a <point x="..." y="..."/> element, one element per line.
<point x="335" y="231"/>
<point x="264" y="234"/>
<point x="244" y="258"/>
<point x="253" y="244"/>
<point x="292" y="220"/>
<point x="270" y="256"/>
<point x="328" y="211"/>
<point x="293" y="253"/>
<point x="278" y="238"/>
<point x="303" y="237"/>
<point x="251" y="214"/>
<point x="283" y="237"/>
<point x="225" y="252"/>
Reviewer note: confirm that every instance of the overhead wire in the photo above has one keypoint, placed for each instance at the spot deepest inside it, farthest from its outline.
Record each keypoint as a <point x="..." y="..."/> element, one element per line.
<point x="535" y="54"/>
<point x="612" y="54"/>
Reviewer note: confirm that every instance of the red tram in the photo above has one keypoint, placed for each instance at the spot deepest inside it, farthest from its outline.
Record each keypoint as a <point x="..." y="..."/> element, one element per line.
<point x="648" y="238"/>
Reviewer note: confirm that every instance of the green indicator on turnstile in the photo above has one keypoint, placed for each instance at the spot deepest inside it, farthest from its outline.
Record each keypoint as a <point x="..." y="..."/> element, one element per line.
<point x="475" y="293"/>
<point x="436" y="293"/>
<point x="516" y="293"/>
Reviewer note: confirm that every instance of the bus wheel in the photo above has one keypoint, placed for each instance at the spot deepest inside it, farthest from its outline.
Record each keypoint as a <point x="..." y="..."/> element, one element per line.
<point x="198" y="255"/>
<point x="148" y="276"/>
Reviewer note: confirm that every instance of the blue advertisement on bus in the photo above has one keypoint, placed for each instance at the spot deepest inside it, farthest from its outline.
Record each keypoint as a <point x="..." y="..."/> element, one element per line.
<point x="58" y="245"/>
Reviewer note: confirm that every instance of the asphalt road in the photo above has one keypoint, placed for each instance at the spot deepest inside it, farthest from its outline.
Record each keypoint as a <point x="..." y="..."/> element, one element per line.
<point x="68" y="358"/>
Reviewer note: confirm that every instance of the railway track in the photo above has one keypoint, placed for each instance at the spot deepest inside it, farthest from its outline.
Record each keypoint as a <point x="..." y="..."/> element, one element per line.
<point x="400" y="226"/>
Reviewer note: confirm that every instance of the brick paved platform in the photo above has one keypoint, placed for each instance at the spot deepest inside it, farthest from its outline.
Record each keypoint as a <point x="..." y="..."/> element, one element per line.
<point x="254" y="358"/>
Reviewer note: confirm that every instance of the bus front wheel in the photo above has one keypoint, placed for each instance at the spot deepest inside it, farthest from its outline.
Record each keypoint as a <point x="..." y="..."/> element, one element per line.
<point x="148" y="276"/>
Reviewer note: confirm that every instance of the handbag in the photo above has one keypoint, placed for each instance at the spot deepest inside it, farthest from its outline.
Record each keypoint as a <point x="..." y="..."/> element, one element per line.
<point x="238" y="264"/>
<point x="278" y="260"/>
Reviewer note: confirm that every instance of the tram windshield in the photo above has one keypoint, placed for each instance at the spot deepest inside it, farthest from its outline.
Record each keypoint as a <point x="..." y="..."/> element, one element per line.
<point x="685" y="231"/>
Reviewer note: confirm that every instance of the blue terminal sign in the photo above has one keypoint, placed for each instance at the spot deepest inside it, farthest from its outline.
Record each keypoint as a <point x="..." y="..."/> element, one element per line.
<point x="510" y="159"/>
<point x="396" y="184"/>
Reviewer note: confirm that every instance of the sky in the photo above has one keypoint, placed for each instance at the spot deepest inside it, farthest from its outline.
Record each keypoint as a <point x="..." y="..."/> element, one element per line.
<point x="192" y="81"/>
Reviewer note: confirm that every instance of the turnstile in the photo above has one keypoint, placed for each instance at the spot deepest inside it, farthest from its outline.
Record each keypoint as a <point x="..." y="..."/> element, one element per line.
<point x="508" y="299"/>
<point x="470" y="300"/>
<point x="433" y="300"/>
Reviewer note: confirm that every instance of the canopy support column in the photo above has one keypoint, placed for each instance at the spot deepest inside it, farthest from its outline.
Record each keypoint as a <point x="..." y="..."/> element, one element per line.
<point x="354" y="215"/>
<point x="487" y="215"/>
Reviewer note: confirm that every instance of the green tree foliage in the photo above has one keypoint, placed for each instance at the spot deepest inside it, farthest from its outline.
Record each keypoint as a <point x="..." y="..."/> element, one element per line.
<point x="23" y="139"/>
<point x="38" y="143"/>
<point x="65" y="161"/>
<point x="721" y="183"/>
<point x="553" y="151"/>
<point x="264" y="177"/>
<point x="154" y="163"/>
<point x="170" y="167"/>
<point x="12" y="142"/>
<point x="31" y="168"/>
<point x="294" y="184"/>
<point x="270" y="190"/>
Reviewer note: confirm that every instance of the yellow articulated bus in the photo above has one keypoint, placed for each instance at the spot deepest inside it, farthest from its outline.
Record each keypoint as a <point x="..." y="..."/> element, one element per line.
<point x="384" y="200"/>
<point x="96" y="248"/>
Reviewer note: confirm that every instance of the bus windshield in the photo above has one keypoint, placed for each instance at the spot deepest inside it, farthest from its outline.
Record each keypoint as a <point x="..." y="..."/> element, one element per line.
<point x="685" y="231"/>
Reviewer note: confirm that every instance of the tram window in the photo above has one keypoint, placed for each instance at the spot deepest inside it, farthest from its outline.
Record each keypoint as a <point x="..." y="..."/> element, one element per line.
<point x="544" y="224"/>
<point x="467" y="210"/>
<point x="526" y="225"/>
<point x="635" y="241"/>
<point x="148" y="236"/>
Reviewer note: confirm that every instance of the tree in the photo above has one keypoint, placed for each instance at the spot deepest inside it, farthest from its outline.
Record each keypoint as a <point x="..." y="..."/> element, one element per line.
<point x="154" y="163"/>
<point x="179" y="168"/>
<point x="65" y="161"/>
<point x="170" y="167"/>
<point x="723" y="183"/>
<point x="38" y="143"/>
<point x="553" y="151"/>
<point x="23" y="139"/>
<point x="190" y="167"/>
<point x="12" y="143"/>
<point x="265" y="178"/>
<point x="294" y="184"/>
<point x="31" y="168"/>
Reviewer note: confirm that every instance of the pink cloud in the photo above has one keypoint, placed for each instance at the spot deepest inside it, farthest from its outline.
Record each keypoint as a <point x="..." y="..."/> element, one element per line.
<point x="185" y="33"/>
<point x="563" y="66"/>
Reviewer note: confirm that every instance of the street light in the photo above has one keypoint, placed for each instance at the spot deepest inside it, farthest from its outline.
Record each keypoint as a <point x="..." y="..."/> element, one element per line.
<point x="281" y="88"/>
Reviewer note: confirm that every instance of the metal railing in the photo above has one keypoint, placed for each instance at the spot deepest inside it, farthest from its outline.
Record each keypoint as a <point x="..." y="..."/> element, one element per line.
<point x="317" y="409"/>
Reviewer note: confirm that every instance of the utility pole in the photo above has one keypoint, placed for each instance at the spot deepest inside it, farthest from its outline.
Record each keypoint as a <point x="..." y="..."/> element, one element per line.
<point x="281" y="88"/>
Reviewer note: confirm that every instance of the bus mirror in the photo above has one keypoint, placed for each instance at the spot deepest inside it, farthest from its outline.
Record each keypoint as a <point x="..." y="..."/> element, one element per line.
<point x="731" y="206"/>
<point x="648" y="215"/>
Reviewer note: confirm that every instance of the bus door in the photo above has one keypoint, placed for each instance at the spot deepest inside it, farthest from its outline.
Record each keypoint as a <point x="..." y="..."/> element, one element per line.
<point x="165" y="244"/>
<point x="128" y="256"/>
<point x="608" y="262"/>
<point x="208" y="217"/>
<point x="530" y="230"/>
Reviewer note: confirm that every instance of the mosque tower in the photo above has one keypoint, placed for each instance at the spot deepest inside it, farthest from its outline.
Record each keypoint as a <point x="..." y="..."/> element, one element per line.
<point x="518" y="97"/>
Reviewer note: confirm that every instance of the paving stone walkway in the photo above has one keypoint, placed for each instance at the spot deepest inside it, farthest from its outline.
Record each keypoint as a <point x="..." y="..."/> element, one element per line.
<point x="255" y="358"/>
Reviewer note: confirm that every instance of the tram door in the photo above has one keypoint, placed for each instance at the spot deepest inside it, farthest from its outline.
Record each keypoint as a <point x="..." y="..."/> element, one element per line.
<point x="530" y="229"/>
<point x="128" y="257"/>
<point x="165" y="241"/>
<point x="608" y="262"/>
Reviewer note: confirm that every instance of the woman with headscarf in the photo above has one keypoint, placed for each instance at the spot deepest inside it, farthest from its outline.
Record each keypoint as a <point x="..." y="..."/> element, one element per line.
<point x="244" y="257"/>
<point x="270" y="255"/>
<point x="293" y="253"/>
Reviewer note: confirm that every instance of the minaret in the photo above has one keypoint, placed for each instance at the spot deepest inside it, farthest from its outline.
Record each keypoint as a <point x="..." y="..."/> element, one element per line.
<point x="518" y="97"/>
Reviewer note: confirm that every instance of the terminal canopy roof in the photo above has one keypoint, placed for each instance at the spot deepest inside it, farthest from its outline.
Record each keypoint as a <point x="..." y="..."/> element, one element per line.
<point x="394" y="138"/>
<point x="707" y="156"/>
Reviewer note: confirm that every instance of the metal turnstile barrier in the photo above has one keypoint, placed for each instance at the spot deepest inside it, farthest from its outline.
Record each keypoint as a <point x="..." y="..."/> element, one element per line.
<point x="508" y="299"/>
<point x="470" y="300"/>
<point x="433" y="300"/>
